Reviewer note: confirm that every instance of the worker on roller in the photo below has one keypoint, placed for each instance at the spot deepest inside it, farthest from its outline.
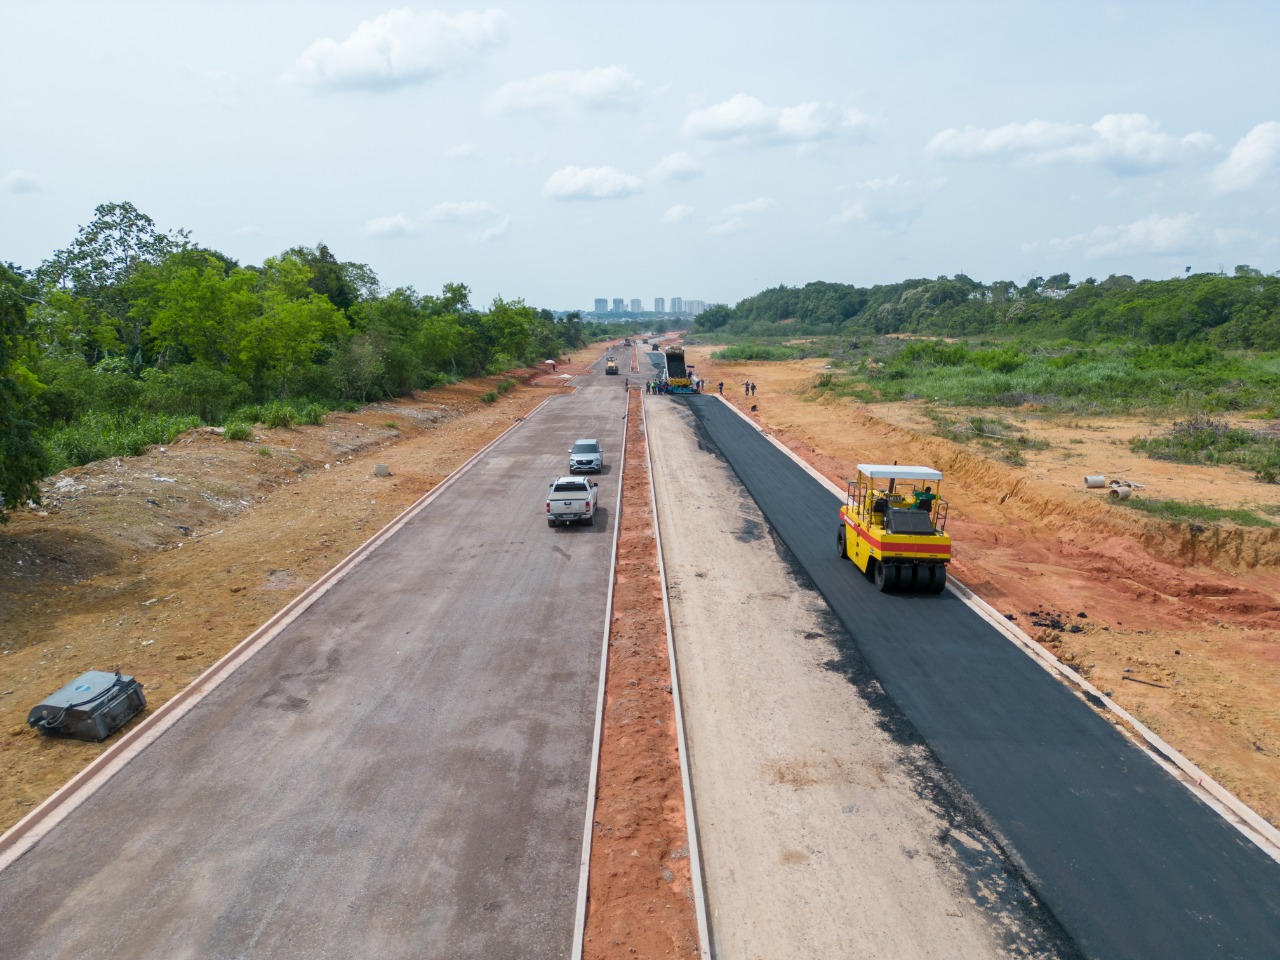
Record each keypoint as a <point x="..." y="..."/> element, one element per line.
<point x="925" y="498"/>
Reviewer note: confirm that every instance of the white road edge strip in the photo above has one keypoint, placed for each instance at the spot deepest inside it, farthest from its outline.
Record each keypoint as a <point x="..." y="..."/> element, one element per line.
<point x="1230" y="807"/>
<point x="28" y="831"/>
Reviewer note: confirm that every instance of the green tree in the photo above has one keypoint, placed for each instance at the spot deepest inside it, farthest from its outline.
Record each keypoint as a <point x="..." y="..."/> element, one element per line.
<point x="99" y="264"/>
<point x="22" y="459"/>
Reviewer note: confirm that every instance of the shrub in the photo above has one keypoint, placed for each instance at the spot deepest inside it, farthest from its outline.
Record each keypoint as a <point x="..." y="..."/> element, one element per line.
<point x="237" y="431"/>
<point x="488" y="396"/>
<point x="279" y="414"/>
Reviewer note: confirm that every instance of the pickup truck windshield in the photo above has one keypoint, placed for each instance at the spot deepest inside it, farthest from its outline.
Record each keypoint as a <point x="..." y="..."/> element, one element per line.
<point x="578" y="486"/>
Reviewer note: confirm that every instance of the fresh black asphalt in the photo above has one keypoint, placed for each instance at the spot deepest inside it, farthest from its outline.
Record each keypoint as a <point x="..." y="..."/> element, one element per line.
<point x="1124" y="857"/>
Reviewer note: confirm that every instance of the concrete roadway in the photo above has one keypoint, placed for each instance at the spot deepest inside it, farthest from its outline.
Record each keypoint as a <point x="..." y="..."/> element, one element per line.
<point x="1126" y="859"/>
<point x="401" y="773"/>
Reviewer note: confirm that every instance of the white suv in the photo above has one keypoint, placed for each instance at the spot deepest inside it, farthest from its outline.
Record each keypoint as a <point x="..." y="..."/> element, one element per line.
<point x="586" y="457"/>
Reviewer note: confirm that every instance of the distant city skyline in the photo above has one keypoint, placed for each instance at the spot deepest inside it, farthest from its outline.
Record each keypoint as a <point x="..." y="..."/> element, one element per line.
<point x="606" y="305"/>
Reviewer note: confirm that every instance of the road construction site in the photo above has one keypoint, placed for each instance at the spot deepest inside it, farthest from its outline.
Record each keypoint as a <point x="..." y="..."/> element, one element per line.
<point x="401" y="764"/>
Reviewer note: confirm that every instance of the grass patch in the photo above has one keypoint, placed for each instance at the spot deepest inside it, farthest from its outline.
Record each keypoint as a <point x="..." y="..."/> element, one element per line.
<point x="1211" y="440"/>
<point x="237" y="431"/>
<point x="1063" y="376"/>
<point x="1182" y="511"/>
<point x="506" y="385"/>
<point x="757" y="351"/>
<point x="1004" y="440"/>
<point x="100" y="436"/>
<point x="489" y="396"/>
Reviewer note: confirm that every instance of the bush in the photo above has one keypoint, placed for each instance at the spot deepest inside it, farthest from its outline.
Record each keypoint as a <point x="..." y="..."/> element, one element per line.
<point x="488" y="396"/>
<point x="193" y="390"/>
<point x="279" y="414"/>
<point x="506" y="385"/>
<point x="237" y="431"/>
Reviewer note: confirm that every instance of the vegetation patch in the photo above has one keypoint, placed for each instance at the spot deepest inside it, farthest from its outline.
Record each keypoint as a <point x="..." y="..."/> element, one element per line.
<point x="489" y="396"/>
<point x="757" y="351"/>
<point x="99" y="436"/>
<point x="1063" y="376"/>
<point x="1182" y="511"/>
<point x="1212" y="440"/>
<point x="237" y="431"/>
<point x="1006" y="441"/>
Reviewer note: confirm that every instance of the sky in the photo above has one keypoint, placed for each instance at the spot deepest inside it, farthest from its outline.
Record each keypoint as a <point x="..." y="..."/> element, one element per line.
<point x="560" y="151"/>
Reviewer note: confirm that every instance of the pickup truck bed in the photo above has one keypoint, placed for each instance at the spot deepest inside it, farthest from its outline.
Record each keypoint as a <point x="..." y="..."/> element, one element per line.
<point x="571" y="500"/>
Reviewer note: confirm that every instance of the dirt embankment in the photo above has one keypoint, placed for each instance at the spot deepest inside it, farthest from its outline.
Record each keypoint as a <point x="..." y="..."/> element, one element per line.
<point x="1179" y="622"/>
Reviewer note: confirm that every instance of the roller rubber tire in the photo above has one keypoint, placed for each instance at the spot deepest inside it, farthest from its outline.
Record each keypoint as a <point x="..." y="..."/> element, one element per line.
<point x="881" y="577"/>
<point x="840" y="541"/>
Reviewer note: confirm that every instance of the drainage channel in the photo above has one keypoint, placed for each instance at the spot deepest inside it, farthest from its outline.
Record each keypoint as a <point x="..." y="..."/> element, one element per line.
<point x="643" y="889"/>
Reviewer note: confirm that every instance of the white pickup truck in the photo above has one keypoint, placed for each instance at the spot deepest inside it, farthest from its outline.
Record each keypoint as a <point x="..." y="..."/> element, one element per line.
<point x="572" y="499"/>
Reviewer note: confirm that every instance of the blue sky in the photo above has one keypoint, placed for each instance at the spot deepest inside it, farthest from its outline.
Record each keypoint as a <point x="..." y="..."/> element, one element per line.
<point x="562" y="151"/>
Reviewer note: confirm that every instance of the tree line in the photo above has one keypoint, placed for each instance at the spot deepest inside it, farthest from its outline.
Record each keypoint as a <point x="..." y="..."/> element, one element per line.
<point x="130" y="323"/>
<point x="1229" y="312"/>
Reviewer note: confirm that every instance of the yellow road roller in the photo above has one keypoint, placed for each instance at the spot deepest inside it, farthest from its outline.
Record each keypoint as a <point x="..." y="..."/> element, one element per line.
<point x="893" y="527"/>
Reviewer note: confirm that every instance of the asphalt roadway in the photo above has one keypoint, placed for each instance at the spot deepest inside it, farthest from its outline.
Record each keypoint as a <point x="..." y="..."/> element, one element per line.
<point x="402" y="772"/>
<point x="1127" y="860"/>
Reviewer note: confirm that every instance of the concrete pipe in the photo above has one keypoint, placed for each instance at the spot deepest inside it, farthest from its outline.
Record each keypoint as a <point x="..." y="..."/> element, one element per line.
<point x="1093" y="483"/>
<point x="1121" y="493"/>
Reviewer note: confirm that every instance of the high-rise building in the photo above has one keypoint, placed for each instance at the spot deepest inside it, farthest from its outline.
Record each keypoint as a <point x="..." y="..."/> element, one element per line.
<point x="677" y="304"/>
<point x="659" y="304"/>
<point x="695" y="306"/>
<point x="602" y="305"/>
<point x="635" y="305"/>
<point x="617" y="305"/>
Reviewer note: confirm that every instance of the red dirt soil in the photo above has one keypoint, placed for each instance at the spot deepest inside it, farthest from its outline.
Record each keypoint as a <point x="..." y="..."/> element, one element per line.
<point x="639" y="893"/>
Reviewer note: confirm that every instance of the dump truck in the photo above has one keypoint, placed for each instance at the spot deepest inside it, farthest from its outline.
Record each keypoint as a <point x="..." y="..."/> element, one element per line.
<point x="611" y="365"/>
<point x="893" y="527"/>
<point x="679" y="378"/>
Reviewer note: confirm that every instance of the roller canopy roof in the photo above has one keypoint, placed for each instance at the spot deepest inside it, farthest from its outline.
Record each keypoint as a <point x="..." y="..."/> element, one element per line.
<point x="883" y="471"/>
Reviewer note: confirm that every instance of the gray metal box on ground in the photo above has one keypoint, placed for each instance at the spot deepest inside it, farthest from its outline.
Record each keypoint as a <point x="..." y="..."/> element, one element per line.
<point x="91" y="707"/>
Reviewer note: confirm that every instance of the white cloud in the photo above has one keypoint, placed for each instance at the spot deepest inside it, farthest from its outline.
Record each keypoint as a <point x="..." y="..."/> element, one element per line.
<point x="19" y="181"/>
<point x="743" y="118"/>
<point x="567" y="93"/>
<point x="676" y="166"/>
<point x="496" y="231"/>
<point x="891" y="204"/>
<point x="732" y="225"/>
<point x="1150" y="235"/>
<point x="469" y="210"/>
<point x="758" y="205"/>
<point x="736" y="215"/>
<point x="856" y="123"/>
<point x="1256" y="156"/>
<point x="677" y="213"/>
<point x="397" y="225"/>
<point x="591" y="183"/>
<point x="459" y="150"/>
<point x="400" y="48"/>
<point x="1124" y="142"/>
